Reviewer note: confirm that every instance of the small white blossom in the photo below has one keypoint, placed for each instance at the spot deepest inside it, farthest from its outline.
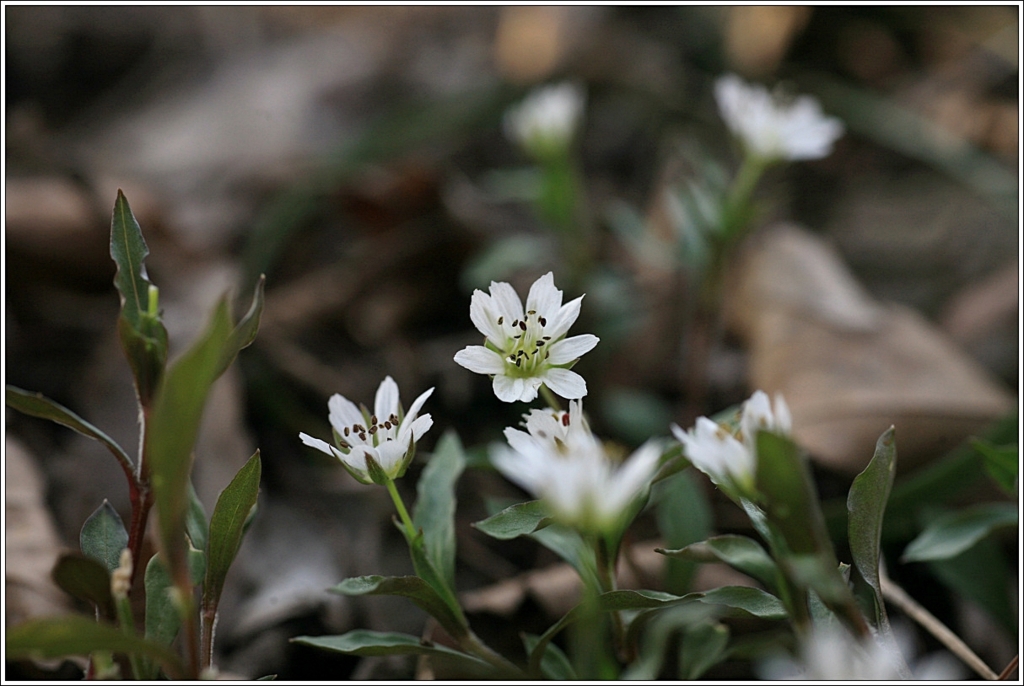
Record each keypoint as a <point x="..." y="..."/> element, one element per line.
<point x="545" y="122"/>
<point x="731" y="460"/>
<point x="774" y="129"/>
<point x="523" y="350"/>
<point x="388" y="436"/>
<point x="561" y="462"/>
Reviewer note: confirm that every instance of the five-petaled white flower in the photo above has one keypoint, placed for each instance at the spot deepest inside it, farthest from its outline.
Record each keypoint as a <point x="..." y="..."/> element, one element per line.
<point x="771" y="128"/>
<point x="387" y="437"/>
<point x="561" y="462"/>
<point x="525" y="349"/>
<point x="546" y="120"/>
<point x="731" y="460"/>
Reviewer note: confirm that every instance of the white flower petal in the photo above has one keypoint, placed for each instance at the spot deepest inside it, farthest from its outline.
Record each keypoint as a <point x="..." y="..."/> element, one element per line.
<point x="544" y="298"/>
<point x="385" y="403"/>
<point x="390" y="455"/>
<point x="565" y="383"/>
<point x="569" y="349"/>
<point x="484" y="317"/>
<point x="477" y="358"/>
<point x="507" y="389"/>
<point x="342" y="412"/>
<point x="322" y="446"/>
<point x="417" y="405"/>
<point x="420" y="426"/>
<point x="356" y="458"/>
<point x="558" y="325"/>
<point x="505" y="300"/>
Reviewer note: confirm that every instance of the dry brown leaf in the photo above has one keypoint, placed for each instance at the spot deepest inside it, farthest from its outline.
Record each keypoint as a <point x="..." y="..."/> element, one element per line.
<point x="31" y="544"/>
<point x="848" y="366"/>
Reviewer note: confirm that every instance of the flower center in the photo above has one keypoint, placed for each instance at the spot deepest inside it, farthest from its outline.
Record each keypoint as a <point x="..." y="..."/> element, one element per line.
<point x="377" y="433"/>
<point x="526" y="345"/>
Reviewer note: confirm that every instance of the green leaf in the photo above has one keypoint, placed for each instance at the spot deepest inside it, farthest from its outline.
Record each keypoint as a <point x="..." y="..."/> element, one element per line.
<point x="142" y="333"/>
<point x="982" y="574"/>
<point x="742" y="553"/>
<point x="85" y="578"/>
<point x="412" y="587"/>
<point x="749" y="600"/>
<point x="703" y="646"/>
<point x="196" y="525"/>
<point x="571" y="547"/>
<point x="869" y="494"/>
<point x="1002" y="463"/>
<point x="173" y="427"/>
<point x="514" y="521"/>
<point x="553" y="663"/>
<point x="434" y="512"/>
<point x="38" y="405"/>
<point x="162" y="618"/>
<point x="954" y="532"/>
<point x="791" y="501"/>
<point x="226" y="525"/>
<point x="245" y="331"/>
<point x="103" y="536"/>
<point x="684" y="517"/>
<point x="54" y="637"/>
<point x="371" y="643"/>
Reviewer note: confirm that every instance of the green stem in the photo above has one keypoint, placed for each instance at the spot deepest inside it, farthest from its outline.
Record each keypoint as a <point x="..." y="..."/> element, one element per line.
<point x="123" y="606"/>
<point x="550" y="398"/>
<point x="410" y="530"/>
<point x="740" y="193"/>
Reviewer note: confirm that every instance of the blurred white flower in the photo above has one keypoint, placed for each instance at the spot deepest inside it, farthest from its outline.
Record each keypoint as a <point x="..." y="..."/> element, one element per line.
<point x="731" y="460"/>
<point x="561" y="462"/>
<point x="523" y="350"/>
<point x="388" y="436"/>
<point x="545" y="122"/>
<point x="771" y="128"/>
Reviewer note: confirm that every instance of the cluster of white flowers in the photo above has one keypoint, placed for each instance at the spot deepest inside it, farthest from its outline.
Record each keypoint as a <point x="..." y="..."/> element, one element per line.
<point x="772" y="128"/>
<point x="387" y="437"/>
<point x="545" y="122"/>
<point x="731" y="460"/>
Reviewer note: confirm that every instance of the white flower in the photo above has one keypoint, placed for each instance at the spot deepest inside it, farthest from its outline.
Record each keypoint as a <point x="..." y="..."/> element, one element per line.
<point x="771" y="128"/>
<point x="731" y="460"/>
<point x="523" y="350"/>
<point x="546" y="120"/>
<point x="561" y="462"/>
<point x="388" y="436"/>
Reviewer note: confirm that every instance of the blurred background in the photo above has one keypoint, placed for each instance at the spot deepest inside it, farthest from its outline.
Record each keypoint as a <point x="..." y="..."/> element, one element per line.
<point x="356" y="156"/>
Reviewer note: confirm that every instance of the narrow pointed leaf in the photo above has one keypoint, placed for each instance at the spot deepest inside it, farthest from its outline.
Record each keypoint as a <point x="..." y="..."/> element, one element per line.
<point x="749" y="600"/>
<point x="741" y="553"/>
<point x="571" y="547"/>
<point x="54" y="637"/>
<point x="434" y="512"/>
<point x="703" y="646"/>
<point x="412" y="587"/>
<point x="196" y="525"/>
<point x="84" y="578"/>
<point x="103" y="536"/>
<point x="162" y="618"/>
<point x="245" y="331"/>
<point x="514" y="521"/>
<point x="235" y="503"/>
<point x="372" y="643"/>
<point x="791" y="502"/>
<point x="954" y="532"/>
<point x="554" y="664"/>
<point x="174" y="425"/>
<point x="38" y="405"/>
<point x="1002" y="463"/>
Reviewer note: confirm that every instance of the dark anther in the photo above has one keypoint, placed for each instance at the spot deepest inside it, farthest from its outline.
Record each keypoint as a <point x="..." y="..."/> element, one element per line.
<point x="387" y="424"/>
<point x="547" y="338"/>
<point x="565" y="419"/>
<point x="532" y="312"/>
<point x="522" y="325"/>
<point x="540" y="343"/>
<point x="543" y="322"/>
<point x="501" y="320"/>
<point x="373" y="429"/>
<point x="346" y="431"/>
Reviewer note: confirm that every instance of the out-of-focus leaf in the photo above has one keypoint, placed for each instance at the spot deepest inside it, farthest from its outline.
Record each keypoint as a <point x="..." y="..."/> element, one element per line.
<point x="368" y="643"/>
<point x="38" y="405"/>
<point x="103" y="536"/>
<point x="233" y="506"/>
<point x="504" y="257"/>
<point x="427" y="572"/>
<point x="954" y="532"/>
<point x="742" y="553"/>
<point x="174" y="425"/>
<point x="434" y="512"/>
<point x="196" y="525"/>
<point x="85" y="578"/>
<point x="703" y="646"/>
<point x="516" y="520"/>
<point x="142" y="333"/>
<point x="412" y="587"/>
<point x="568" y="545"/>
<point x="53" y="637"/>
<point x="553" y="664"/>
<point x="752" y="601"/>
<point x="245" y="331"/>
<point x="162" y="618"/>
<point x="791" y="502"/>
<point x="635" y="415"/>
<point x="981" y="574"/>
<point x="1002" y="463"/>
<point x="683" y="517"/>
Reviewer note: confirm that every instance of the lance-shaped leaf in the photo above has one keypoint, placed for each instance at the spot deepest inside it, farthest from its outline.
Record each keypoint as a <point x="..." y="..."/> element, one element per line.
<point x="1002" y="463"/>
<point x="741" y="553"/>
<point x="514" y="521"/>
<point x="38" y="405"/>
<point x="142" y="333"/>
<point x="371" y="643"/>
<point x="227" y="524"/>
<point x="747" y="600"/>
<point x="554" y="664"/>
<point x="245" y="331"/>
<point x="53" y="637"/>
<point x="162" y="618"/>
<point x="196" y="525"/>
<point x="103" y="536"/>
<point x="869" y="494"/>
<point x="570" y="546"/>
<point x="434" y="513"/>
<point x="954" y="532"/>
<point x="85" y="578"/>
<point x="174" y="425"/>
<point x="412" y="587"/>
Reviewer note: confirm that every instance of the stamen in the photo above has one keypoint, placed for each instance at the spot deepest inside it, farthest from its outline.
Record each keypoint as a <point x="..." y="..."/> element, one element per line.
<point x="565" y="419"/>
<point x="501" y="320"/>
<point x="387" y="424"/>
<point x="346" y="431"/>
<point x="532" y="312"/>
<point x="543" y="322"/>
<point x="522" y="325"/>
<point x="373" y="429"/>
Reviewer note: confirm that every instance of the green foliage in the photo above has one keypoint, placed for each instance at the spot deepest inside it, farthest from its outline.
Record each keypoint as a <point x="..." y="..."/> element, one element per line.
<point x="703" y="646"/>
<point x="554" y="664"/>
<point x="412" y="587"/>
<point x="952" y="533"/>
<point x="981" y="574"/>
<point x="195" y="520"/>
<point x="368" y="643"/>
<point x="103" y="536"/>
<point x="434" y="512"/>
<point x="230" y="514"/>
<point x="516" y="520"/>
<point x="76" y="635"/>
<point x="743" y="554"/>
<point x="85" y="578"/>
<point x="1002" y="463"/>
